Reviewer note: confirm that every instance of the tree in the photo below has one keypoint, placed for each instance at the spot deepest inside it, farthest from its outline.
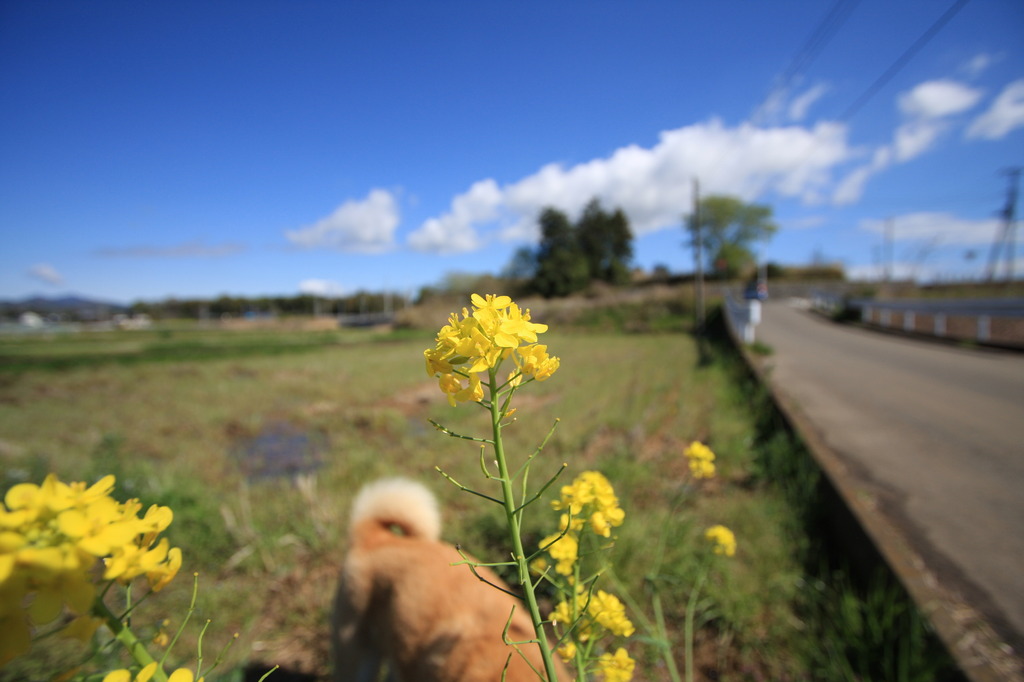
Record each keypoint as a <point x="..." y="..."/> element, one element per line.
<point x="523" y="265"/>
<point x="606" y="242"/>
<point x="729" y="229"/>
<point x="599" y="246"/>
<point x="561" y="265"/>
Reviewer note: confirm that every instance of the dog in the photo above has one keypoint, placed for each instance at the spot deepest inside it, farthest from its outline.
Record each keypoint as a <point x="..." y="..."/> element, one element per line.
<point x="402" y="605"/>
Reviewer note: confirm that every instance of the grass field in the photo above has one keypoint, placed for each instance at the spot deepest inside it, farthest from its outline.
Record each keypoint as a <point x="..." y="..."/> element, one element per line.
<point x="183" y="416"/>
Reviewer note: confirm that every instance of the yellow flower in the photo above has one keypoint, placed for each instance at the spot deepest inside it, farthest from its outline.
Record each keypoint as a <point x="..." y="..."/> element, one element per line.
<point x="52" y="536"/>
<point x="610" y="613"/>
<point x="534" y="361"/>
<point x="593" y="489"/>
<point x="617" y="667"/>
<point x="562" y="614"/>
<point x="183" y="675"/>
<point x="478" y="342"/>
<point x="724" y="540"/>
<point x="564" y="549"/>
<point x="567" y="651"/>
<point x="701" y="460"/>
<point x="162" y="638"/>
<point x="123" y="675"/>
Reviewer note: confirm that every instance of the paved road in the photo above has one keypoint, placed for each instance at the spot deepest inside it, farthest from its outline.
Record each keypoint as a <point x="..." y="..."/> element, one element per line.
<point x="933" y="433"/>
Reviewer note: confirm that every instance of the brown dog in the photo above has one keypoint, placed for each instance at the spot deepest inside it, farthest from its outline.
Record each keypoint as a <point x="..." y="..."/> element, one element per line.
<point x="401" y="604"/>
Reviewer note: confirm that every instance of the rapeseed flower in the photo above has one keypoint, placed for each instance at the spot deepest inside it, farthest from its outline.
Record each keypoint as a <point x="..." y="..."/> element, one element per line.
<point x="610" y="613"/>
<point x="617" y="667"/>
<point x="723" y="539"/>
<point x="52" y="536"/>
<point x="591" y="492"/>
<point x="701" y="460"/>
<point x="564" y="549"/>
<point x="146" y="674"/>
<point x="588" y="503"/>
<point x="479" y="341"/>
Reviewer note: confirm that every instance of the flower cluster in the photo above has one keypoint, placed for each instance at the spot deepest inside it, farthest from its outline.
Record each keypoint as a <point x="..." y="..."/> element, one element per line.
<point x="53" y="535"/>
<point x="146" y="674"/>
<point x="477" y="343"/>
<point x="590" y="509"/>
<point x="617" y="667"/>
<point x="701" y="459"/>
<point x="595" y="613"/>
<point x="590" y="499"/>
<point x="723" y="539"/>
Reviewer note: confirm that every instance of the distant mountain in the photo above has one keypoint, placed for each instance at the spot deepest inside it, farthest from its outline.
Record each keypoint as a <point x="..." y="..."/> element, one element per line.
<point x="67" y="304"/>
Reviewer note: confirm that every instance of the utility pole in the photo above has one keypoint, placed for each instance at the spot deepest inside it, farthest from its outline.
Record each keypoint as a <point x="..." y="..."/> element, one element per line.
<point x="1010" y="218"/>
<point x="887" y="251"/>
<point x="1006" y="237"/>
<point x="698" y="256"/>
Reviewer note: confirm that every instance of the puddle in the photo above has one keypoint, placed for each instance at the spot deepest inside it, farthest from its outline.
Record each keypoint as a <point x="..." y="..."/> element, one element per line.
<point x="280" y="450"/>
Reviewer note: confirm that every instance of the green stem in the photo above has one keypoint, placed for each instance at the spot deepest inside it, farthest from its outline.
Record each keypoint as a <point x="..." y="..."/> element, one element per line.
<point x="663" y="643"/>
<point x="512" y="518"/>
<point x="127" y="638"/>
<point x="691" y="607"/>
<point x="581" y="657"/>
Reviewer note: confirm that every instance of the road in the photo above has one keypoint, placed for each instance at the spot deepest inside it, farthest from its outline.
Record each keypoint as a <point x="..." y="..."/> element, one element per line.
<point x="931" y="434"/>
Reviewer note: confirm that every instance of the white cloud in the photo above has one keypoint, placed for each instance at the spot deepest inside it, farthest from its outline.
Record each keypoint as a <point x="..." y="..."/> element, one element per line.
<point x="928" y="108"/>
<point x="851" y="187"/>
<point x="1005" y="114"/>
<point x="938" y="99"/>
<point x="943" y="228"/>
<point x="366" y="226"/>
<point x="321" y="287"/>
<point x="46" y="273"/>
<point x="652" y="185"/>
<point x="980" y="63"/>
<point x="916" y="137"/>
<point x="802" y="103"/>
<point x="453" y="232"/>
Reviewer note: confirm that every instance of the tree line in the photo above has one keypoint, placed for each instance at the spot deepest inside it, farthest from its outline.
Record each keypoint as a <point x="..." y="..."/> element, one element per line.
<point x="598" y="246"/>
<point x="241" y="306"/>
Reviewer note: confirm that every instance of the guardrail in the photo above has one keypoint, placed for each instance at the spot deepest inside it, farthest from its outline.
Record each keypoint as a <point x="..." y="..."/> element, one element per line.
<point x="988" y="321"/>
<point x="742" y="317"/>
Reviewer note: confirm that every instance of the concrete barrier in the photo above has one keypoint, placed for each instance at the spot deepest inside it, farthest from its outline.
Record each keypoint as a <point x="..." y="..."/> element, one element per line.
<point x="998" y="322"/>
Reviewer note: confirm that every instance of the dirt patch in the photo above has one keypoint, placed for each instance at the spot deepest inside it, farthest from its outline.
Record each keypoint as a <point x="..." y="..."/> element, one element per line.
<point x="293" y="632"/>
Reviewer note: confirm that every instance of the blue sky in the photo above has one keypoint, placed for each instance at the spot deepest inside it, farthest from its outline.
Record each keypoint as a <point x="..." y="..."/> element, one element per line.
<point x="193" y="149"/>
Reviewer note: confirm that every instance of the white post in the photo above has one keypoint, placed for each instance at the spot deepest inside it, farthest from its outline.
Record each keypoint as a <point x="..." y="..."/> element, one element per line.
<point x="753" y="315"/>
<point x="984" y="328"/>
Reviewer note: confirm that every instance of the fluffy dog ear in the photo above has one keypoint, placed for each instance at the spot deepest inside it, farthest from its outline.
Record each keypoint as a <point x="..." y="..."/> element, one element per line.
<point x="400" y="502"/>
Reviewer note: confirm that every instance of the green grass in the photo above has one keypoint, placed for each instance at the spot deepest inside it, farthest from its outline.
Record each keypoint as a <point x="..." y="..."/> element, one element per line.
<point x="174" y="342"/>
<point x="168" y="422"/>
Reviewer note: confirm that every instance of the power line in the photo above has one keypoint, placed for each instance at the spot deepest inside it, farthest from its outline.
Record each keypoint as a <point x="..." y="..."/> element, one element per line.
<point x="821" y="36"/>
<point x="902" y="60"/>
